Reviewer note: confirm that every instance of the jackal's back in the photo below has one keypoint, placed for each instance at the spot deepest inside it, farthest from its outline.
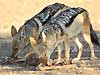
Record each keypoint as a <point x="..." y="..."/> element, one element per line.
<point x="40" y="19"/>
<point x="62" y="21"/>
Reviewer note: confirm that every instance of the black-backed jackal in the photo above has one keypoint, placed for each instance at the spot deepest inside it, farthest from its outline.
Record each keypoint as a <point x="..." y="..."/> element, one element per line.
<point x="32" y="27"/>
<point x="65" y="26"/>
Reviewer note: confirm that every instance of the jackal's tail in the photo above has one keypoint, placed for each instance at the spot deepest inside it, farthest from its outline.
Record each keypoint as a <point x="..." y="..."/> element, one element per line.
<point x="94" y="37"/>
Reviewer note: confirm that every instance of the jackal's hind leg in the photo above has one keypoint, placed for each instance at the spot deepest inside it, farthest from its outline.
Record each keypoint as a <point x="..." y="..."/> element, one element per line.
<point x="80" y="46"/>
<point x="88" y="40"/>
<point x="86" y="34"/>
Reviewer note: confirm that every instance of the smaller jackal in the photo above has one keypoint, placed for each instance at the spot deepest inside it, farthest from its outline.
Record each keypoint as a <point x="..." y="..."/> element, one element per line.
<point x="32" y="27"/>
<point x="65" y="26"/>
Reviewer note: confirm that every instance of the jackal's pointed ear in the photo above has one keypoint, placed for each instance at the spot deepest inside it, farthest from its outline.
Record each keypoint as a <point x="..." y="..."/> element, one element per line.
<point x="13" y="31"/>
<point x="33" y="41"/>
<point x="43" y="37"/>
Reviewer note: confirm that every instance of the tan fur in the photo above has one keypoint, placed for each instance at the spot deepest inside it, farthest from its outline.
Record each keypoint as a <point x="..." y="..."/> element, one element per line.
<point x="44" y="37"/>
<point x="33" y="42"/>
<point x="86" y="34"/>
<point x="81" y="25"/>
<point x="40" y="52"/>
<point x="13" y="31"/>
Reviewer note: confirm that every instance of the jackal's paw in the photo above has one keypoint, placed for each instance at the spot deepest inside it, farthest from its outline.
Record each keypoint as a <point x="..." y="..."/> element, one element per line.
<point x="75" y="60"/>
<point x="67" y="62"/>
<point x="59" y="62"/>
<point x="49" y="62"/>
<point x="94" y="58"/>
<point x="41" y="65"/>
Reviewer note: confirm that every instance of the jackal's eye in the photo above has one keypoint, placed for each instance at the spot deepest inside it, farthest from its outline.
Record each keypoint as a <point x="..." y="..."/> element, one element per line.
<point x="21" y="38"/>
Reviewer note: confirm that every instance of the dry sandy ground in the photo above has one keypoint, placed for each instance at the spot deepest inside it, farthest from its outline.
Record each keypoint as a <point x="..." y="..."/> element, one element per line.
<point x="84" y="67"/>
<point x="72" y="71"/>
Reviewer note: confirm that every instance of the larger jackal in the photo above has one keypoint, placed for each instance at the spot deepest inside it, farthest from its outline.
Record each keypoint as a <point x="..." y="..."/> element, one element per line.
<point x="32" y="27"/>
<point x="65" y="26"/>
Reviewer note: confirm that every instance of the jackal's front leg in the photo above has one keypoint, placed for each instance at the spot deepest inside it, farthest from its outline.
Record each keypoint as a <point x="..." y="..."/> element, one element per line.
<point x="67" y="50"/>
<point x="48" y="54"/>
<point x="80" y="46"/>
<point x="59" y="55"/>
<point x="48" y="61"/>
